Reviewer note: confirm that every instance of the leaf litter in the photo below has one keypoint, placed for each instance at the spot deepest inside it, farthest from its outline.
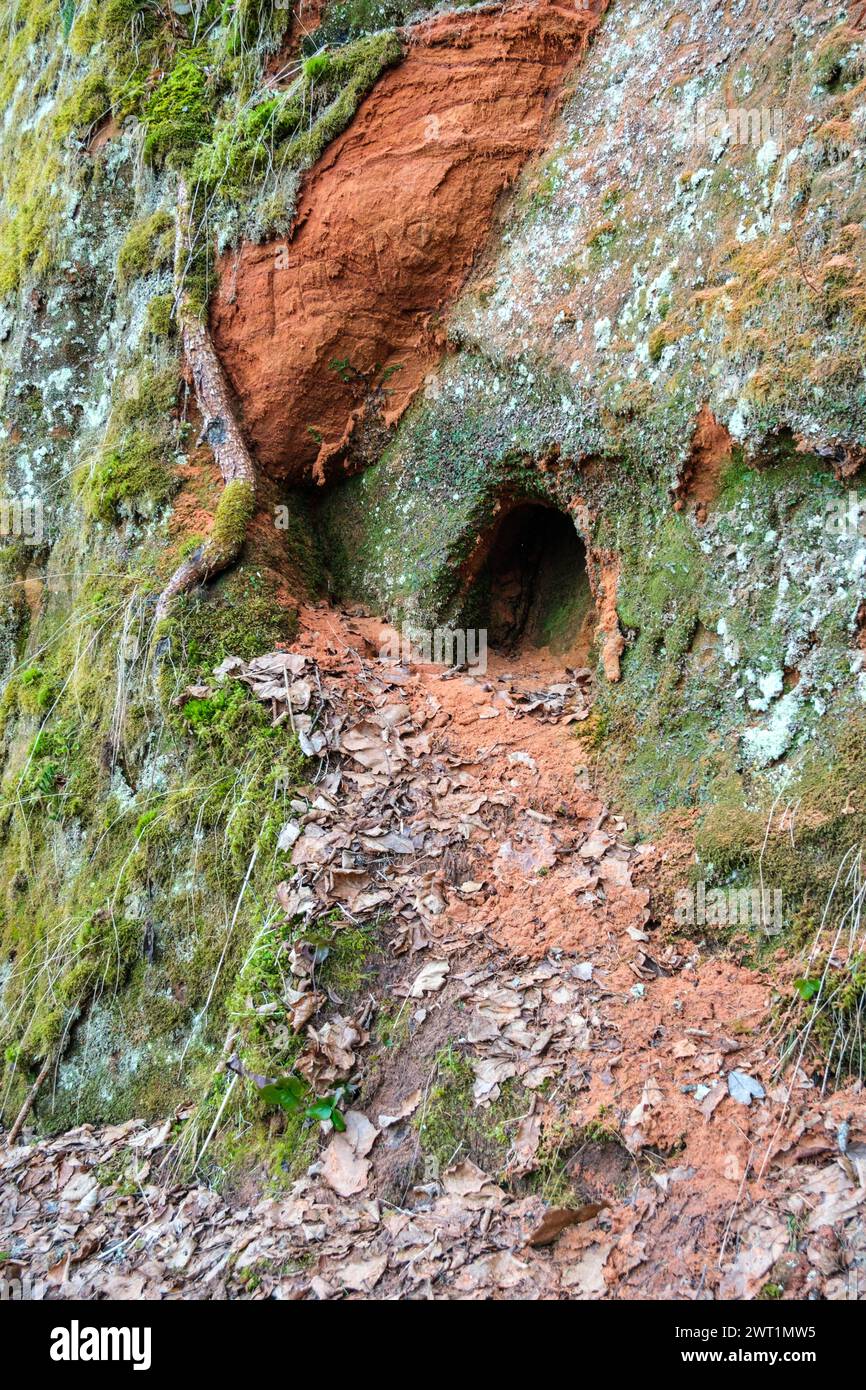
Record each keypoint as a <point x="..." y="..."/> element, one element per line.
<point x="519" y="928"/>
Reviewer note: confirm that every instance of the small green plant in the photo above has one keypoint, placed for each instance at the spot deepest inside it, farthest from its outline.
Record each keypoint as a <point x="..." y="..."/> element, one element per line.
<point x="47" y="779"/>
<point x="344" y="370"/>
<point x="292" y="1095"/>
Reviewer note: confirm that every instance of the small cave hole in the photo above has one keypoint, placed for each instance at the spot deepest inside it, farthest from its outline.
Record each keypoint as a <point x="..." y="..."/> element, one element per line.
<point x="530" y="587"/>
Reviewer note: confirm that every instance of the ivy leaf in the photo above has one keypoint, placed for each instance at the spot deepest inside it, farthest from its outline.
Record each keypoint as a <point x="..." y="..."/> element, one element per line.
<point x="326" y="1109"/>
<point x="288" y="1092"/>
<point x="320" y="1110"/>
<point x="807" y="989"/>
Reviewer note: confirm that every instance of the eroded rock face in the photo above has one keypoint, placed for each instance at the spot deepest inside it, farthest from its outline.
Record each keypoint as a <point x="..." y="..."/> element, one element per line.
<point x="387" y="230"/>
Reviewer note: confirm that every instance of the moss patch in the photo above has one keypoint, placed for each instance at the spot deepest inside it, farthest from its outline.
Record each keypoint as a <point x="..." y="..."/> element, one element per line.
<point x="148" y="247"/>
<point x="177" y="118"/>
<point x="451" y="1127"/>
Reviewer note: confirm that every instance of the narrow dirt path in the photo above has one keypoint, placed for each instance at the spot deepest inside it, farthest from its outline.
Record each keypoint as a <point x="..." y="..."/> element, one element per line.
<point x="521" y="937"/>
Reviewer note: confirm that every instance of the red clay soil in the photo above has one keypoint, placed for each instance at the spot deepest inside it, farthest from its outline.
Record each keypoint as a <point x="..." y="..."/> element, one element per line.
<point x="701" y="478"/>
<point x="388" y="226"/>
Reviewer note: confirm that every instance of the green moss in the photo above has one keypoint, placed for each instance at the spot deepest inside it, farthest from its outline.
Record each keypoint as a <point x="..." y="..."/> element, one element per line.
<point x="145" y="396"/>
<point x="284" y="1143"/>
<point x="148" y="247"/>
<point x="81" y="26"/>
<point x="133" y="478"/>
<point x="399" y="534"/>
<point x="144" y="821"/>
<point x="452" y="1127"/>
<point x="27" y="26"/>
<point x="160" y="320"/>
<point x="349" y="948"/>
<point x="37" y="689"/>
<point x="317" y="66"/>
<point x="120" y="892"/>
<point x="238" y="771"/>
<point x="292" y="129"/>
<point x="659" y="594"/>
<point x="97" y="957"/>
<point x="178" y="116"/>
<point x="85" y="107"/>
<point x="344" y="19"/>
<point x="59" y="777"/>
<point x="734" y="844"/>
<point x="295" y="522"/>
<point x="33" y="202"/>
<point x="237" y="616"/>
<point x="600" y="1130"/>
<point x="135" y="475"/>
<point x="233" y="515"/>
<point x="220" y="720"/>
<point x="252" y="25"/>
<point x="278" y="1147"/>
<point x="125" y="22"/>
<point x="342" y="952"/>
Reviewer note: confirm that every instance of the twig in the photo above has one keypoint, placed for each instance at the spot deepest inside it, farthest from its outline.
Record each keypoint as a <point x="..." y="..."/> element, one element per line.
<point x="219" y="1114"/>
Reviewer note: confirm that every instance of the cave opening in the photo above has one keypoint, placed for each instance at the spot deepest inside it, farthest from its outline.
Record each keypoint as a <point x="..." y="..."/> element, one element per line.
<point x="530" y="587"/>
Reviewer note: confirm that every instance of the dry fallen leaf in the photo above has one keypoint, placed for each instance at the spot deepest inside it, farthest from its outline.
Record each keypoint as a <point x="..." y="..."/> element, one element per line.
<point x="406" y="1108"/>
<point x="343" y="1169"/>
<point x="430" y="979"/>
<point x="361" y="1275"/>
<point x="558" y="1219"/>
<point x="744" y="1088"/>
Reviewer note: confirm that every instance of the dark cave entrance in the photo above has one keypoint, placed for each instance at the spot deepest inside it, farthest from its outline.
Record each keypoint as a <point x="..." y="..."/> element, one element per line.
<point x="530" y="586"/>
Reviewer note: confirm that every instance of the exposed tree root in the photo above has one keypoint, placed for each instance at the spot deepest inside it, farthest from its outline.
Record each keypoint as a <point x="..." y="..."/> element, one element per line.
<point x="29" y="1102"/>
<point x="220" y="429"/>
